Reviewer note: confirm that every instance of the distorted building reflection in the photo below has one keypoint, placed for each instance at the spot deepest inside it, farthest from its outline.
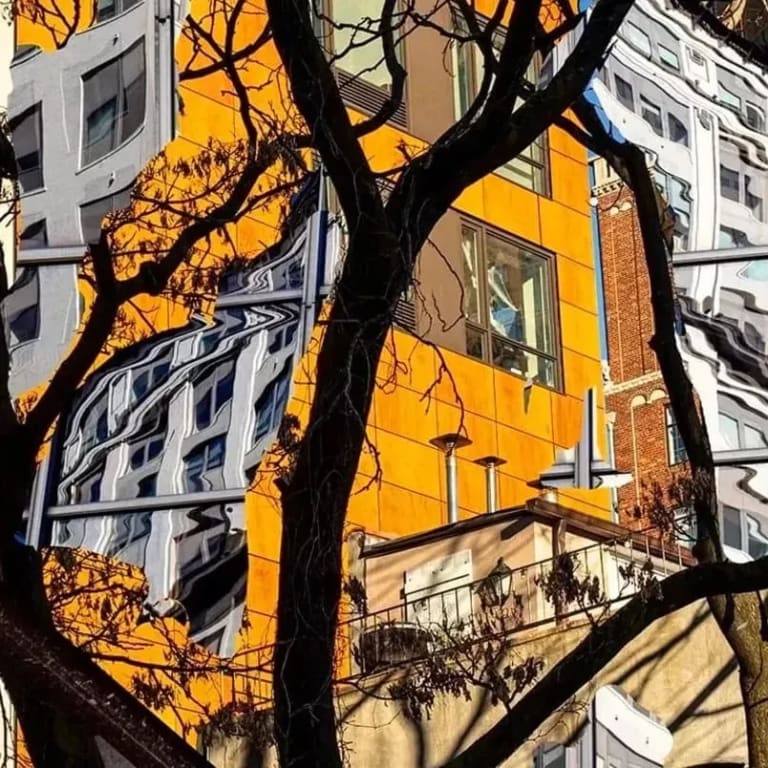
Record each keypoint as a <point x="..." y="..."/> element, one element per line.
<point x="697" y="106"/>
<point x="187" y="412"/>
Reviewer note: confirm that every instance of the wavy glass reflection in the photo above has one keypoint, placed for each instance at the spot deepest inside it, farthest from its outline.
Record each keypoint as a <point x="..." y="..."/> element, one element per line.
<point x="195" y="560"/>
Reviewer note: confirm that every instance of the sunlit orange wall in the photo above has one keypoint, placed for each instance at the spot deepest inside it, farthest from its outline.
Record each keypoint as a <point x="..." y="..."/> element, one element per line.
<point x="411" y="494"/>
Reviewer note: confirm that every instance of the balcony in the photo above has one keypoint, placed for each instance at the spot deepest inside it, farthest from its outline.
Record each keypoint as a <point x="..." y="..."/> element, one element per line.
<point x="579" y="585"/>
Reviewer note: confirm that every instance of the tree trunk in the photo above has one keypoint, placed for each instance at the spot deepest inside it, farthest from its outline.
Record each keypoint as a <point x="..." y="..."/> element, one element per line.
<point x="314" y="503"/>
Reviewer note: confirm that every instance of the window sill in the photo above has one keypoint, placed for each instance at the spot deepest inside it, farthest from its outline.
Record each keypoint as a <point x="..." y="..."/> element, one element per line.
<point x="32" y="192"/>
<point x="557" y="388"/>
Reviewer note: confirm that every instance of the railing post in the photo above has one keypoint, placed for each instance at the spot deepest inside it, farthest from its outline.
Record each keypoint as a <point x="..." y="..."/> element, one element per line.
<point x="602" y="573"/>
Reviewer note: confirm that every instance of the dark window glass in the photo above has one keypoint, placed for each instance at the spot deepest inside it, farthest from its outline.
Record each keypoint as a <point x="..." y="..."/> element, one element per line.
<point x="114" y="97"/>
<point x="678" y="132"/>
<point x="651" y="113"/>
<point x="624" y="93"/>
<point x="27" y="137"/>
<point x="732" y="527"/>
<point x="147" y="486"/>
<point x="729" y="183"/>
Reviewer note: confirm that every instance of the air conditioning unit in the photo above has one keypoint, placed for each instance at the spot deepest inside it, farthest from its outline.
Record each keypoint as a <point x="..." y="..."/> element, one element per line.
<point x="389" y="644"/>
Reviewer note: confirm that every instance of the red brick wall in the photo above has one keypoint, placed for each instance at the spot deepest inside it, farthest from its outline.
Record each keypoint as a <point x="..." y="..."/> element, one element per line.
<point x="627" y="288"/>
<point x="640" y="434"/>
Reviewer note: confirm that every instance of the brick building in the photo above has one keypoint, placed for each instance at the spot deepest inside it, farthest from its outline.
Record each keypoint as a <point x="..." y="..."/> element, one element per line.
<point x="644" y="437"/>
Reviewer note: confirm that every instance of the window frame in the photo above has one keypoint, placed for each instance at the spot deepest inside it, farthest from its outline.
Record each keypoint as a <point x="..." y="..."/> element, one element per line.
<point x="112" y="197"/>
<point x="676" y="454"/>
<point x="483" y="327"/>
<point x="541" y="182"/>
<point x="622" y="98"/>
<point x="204" y="449"/>
<point x="120" y="6"/>
<point x="118" y="122"/>
<point x="356" y="90"/>
<point x="36" y="113"/>
<point x="757" y="110"/>
<point x="648" y="106"/>
<point x="673" y="121"/>
<point x="207" y="388"/>
<point x="671" y="55"/>
<point x="721" y="91"/>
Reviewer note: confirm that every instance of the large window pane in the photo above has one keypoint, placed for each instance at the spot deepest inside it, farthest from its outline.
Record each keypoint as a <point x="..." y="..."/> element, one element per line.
<point x="134" y="91"/>
<point x="356" y="39"/>
<point x="114" y="98"/>
<point x="624" y="93"/>
<point x="528" y="169"/>
<point x="518" y="295"/>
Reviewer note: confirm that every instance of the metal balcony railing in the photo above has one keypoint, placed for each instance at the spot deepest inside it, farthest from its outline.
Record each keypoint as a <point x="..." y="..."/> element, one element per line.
<point x="590" y="579"/>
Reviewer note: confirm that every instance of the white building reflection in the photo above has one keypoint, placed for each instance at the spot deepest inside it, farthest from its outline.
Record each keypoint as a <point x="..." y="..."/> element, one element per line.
<point x="699" y="109"/>
<point x="152" y="461"/>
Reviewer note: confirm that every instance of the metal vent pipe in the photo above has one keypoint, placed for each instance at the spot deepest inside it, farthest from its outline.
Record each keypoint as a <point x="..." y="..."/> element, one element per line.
<point x="449" y="444"/>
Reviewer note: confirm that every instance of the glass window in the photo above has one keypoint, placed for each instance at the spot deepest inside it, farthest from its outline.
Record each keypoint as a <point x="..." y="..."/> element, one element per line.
<point x="728" y="98"/>
<point x="624" y="93"/>
<point x="729" y="430"/>
<point x="518" y="294"/>
<point x="757" y="537"/>
<point x="471" y="284"/>
<point x="551" y="757"/>
<point x="732" y="238"/>
<point x="23" y="326"/>
<point x="114" y="97"/>
<point x="675" y="446"/>
<point x="696" y="57"/>
<point x="669" y="57"/>
<point x="755" y="117"/>
<point x="652" y="115"/>
<point x="107" y="9"/>
<point x="271" y="405"/>
<point x="754" y="438"/>
<point x="147" y="486"/>
<point x="27" y="137"/>
<point x="212" y="393"/>
<point x="732" y="527"/>
<point x="356" y="41"/>
<point x="509" y="317"/>
<point x="751" y="200"/>
<point x="685" y="524"/>
<point x="201" y="460"/>
<point x="637" y="38"/>
<point x="92" y="214"/>
<point x="729" y="183"/>
<point x="528" y="169"/>
<point x="678" y="132"/>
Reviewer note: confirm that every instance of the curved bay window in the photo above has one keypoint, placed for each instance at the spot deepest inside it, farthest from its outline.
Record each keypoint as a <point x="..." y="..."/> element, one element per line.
<point x="508" y="306"/>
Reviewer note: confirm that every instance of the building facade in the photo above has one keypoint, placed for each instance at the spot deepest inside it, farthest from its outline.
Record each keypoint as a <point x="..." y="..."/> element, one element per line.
<point x="165" y="460"/>
<point x="698" y="106"/>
